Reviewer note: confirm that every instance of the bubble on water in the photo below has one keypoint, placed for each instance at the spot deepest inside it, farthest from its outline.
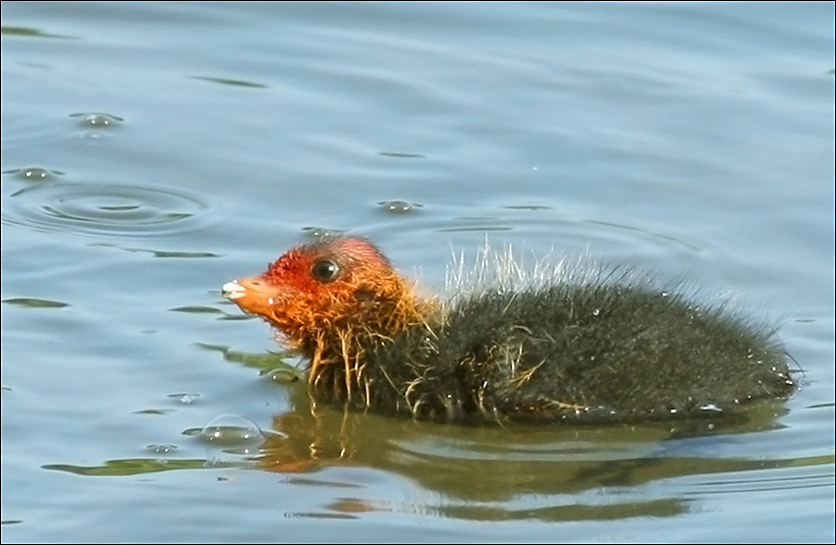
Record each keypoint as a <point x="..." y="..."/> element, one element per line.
<point x="321" y="232"/>
<point x="33" y="173"/>
<point x="185" y="398"/>
<point x="231" y="430"/>
<point x="398" y="207"/>
<point x="98" y="120"/>
<point x="161" y="448"/>
<point x="282" y="375"/>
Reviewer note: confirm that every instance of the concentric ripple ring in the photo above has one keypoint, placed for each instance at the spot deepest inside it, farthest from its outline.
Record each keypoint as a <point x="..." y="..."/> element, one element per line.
<point x="103" y="209"/>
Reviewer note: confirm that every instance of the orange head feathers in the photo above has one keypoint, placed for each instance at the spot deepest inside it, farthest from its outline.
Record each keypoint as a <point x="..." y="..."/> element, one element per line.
<point x="328" y="297"/>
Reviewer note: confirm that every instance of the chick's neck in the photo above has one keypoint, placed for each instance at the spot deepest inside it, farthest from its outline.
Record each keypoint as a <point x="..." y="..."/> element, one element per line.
<point x="352" y="321"/>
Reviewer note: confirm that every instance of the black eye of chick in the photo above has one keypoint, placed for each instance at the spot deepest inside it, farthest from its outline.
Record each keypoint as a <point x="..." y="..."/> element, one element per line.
<point x="325" y="270"/>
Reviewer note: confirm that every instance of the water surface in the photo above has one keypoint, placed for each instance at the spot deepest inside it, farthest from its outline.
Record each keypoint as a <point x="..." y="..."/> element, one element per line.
<point x="153" y="151"/>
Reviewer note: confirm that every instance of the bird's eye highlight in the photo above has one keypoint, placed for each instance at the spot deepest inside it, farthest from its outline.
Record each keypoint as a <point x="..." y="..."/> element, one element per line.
<point x="325" y="270"/>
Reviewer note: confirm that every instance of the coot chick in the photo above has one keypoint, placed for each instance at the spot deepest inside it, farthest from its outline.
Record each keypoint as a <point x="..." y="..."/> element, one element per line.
<point x="591" y="347"/>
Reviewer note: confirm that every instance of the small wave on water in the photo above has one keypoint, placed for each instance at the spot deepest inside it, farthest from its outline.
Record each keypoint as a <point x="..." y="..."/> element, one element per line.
<point x="99" y="208"/>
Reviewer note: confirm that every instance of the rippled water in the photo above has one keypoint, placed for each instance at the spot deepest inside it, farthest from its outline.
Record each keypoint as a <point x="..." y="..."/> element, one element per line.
<point x="153" y="151"/>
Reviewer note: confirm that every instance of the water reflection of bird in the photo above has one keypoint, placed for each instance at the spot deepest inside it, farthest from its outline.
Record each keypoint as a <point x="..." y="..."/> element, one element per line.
<point x="588" y="347"/>
<point x="483" y="467"/>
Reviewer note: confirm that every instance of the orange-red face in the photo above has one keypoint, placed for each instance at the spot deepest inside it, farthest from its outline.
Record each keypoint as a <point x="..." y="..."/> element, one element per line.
<point x="312" y="286"/>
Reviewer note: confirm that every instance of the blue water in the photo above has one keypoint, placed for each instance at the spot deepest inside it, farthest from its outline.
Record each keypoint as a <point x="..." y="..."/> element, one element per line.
<point x="153" y="151"/>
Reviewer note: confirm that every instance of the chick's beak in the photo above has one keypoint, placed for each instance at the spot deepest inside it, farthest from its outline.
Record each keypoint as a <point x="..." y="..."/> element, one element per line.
<point x="252" y="294"/>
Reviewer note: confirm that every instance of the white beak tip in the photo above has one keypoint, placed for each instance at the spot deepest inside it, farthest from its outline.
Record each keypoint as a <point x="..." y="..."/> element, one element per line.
<point x="232" y="290"/>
